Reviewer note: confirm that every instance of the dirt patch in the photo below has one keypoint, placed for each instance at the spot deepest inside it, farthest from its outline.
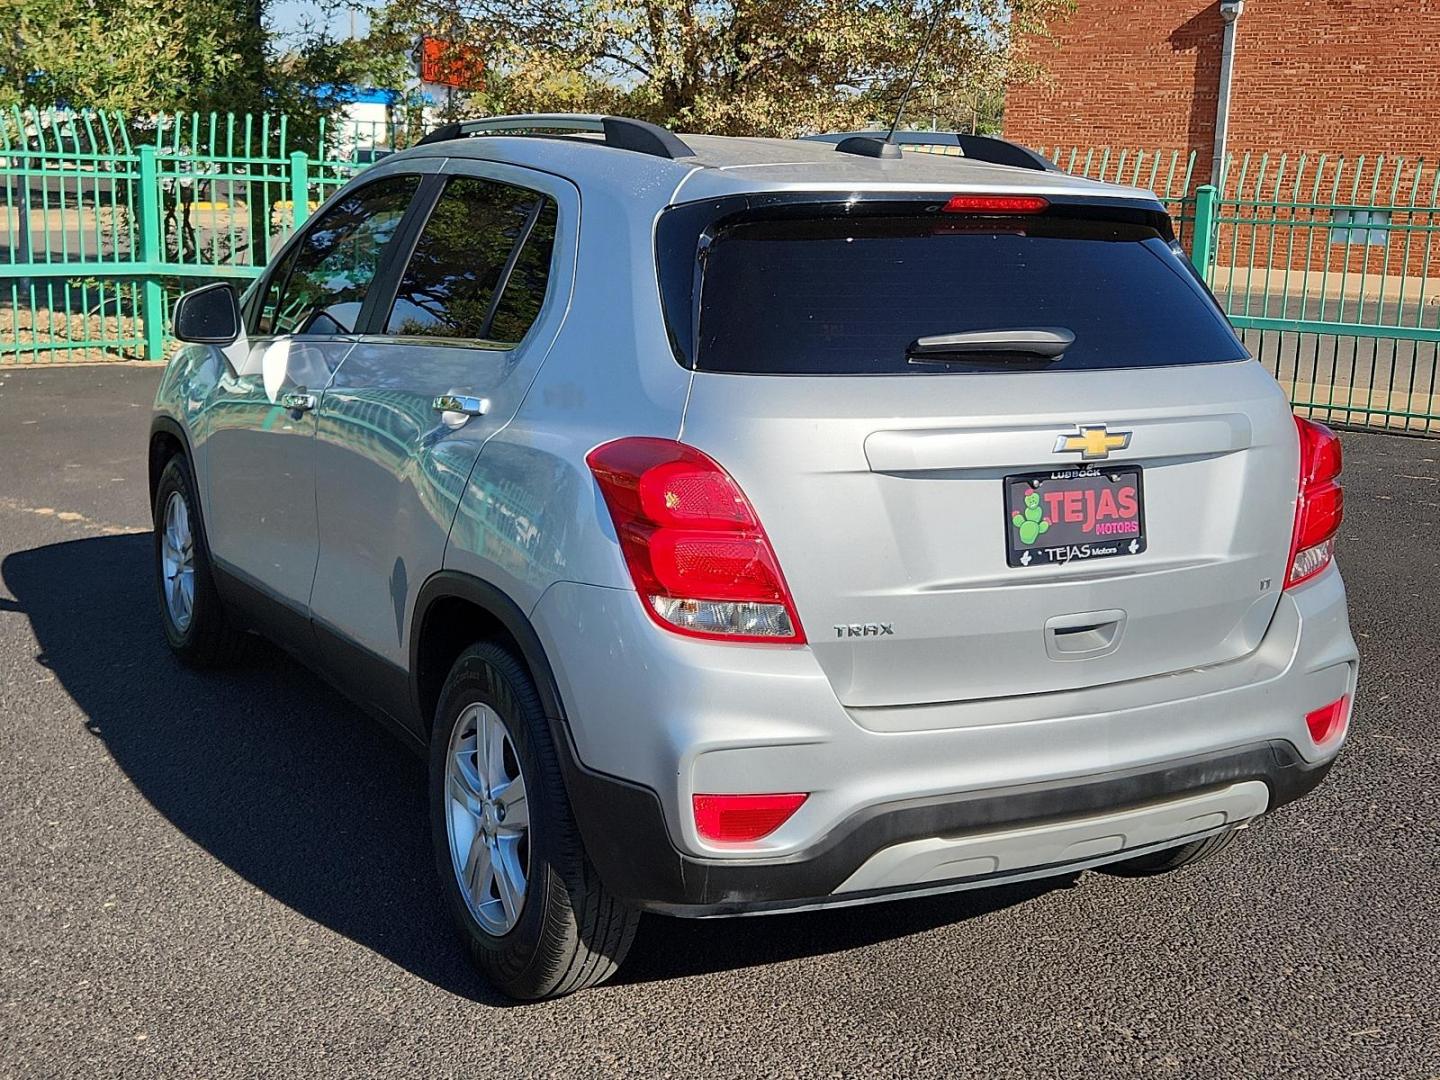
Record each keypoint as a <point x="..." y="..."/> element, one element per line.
<point x="50" y="336"/>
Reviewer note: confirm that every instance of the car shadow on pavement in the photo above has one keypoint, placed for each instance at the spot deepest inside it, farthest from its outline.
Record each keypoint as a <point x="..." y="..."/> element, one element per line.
<point x="294" y="789"/>
<point x="264" y="766"/>
<point x="667" y="948"/>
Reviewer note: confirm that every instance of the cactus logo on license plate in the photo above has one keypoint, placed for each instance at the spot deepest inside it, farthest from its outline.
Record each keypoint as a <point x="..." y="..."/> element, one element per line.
<point x="1069" y="515"/>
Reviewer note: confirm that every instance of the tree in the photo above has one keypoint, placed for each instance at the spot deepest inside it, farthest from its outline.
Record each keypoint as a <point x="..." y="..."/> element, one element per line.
<point x="144" y="57"/>
<point x="753" y="67"/>
<point x="107" y="54"/>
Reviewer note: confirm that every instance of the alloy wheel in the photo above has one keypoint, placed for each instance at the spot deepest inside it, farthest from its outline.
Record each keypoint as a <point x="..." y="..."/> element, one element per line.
<point x="177" y="562"/>
<point x="488" y="819"/>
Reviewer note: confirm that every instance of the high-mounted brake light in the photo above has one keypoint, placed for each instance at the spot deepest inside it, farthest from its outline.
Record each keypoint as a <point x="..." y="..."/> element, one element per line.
<point x="742" y="818"/>
<point x="695" y="549"/>
<point x="995" y="204"/>
<point x="1320" y="506"/>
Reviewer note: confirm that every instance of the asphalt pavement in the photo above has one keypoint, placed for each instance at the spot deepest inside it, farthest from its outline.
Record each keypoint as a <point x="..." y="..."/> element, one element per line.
<point x="229" y="875"/>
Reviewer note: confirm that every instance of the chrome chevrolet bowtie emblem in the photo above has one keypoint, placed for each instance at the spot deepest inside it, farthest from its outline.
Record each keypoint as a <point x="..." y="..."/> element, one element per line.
<point x="1092" y="442"/>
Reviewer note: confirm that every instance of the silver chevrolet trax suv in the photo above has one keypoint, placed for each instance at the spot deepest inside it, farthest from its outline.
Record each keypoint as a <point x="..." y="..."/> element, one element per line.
<point x="753" y="525"/>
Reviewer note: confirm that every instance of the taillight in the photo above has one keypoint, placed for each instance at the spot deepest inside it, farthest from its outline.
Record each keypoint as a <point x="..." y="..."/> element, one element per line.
<point x="1329" y="722"/>
<point x="741" y="818"/>
<point x="995" y="204"/>
<point x="1321" y="504"/>
<point x="695" y="549"/>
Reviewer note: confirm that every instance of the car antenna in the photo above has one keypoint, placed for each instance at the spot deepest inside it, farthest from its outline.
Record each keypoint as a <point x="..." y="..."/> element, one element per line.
<point x="868" y="146"/>
<point x="920" y="54"/>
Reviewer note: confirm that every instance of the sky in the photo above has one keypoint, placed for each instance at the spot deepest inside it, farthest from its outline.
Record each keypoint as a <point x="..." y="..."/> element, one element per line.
<point x="287" y="16"/>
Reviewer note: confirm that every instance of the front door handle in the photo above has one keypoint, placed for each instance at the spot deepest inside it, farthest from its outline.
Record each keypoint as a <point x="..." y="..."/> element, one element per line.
<point x="298" y="401"/>
<point x="456" y="409"/>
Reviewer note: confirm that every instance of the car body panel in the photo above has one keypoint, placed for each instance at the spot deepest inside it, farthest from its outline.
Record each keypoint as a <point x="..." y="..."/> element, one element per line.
<point x="390" y="472"/>
<point x="714" y="717"/>
<point x="751" y="166"/>
<point x="260" y="456"/>
<point x="530" y="514"/>
<point x="882" y="496"/>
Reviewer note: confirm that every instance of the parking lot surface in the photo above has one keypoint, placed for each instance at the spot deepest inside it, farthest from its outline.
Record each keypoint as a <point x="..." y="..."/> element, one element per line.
<point x="230" y="875"/>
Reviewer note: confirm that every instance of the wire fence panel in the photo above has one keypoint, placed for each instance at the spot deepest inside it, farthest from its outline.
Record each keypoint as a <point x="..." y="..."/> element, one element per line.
<point x="1168" y="173"/>
<point x="67" y="189"/>
<point x="1327" y="265"/>
<point x="105" y="219"/>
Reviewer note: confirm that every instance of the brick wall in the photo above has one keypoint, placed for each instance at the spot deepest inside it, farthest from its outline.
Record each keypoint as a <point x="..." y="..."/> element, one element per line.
<point x="1346" y="76"/>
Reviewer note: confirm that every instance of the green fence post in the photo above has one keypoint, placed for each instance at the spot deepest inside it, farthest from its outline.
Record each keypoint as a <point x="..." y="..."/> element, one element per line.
<point x="1202" y="240"/>
<point x="299" y="188"/>
<point x="152" y="297"/>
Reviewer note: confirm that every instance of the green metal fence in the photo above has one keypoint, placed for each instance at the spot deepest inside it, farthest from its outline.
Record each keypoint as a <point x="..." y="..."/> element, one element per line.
<point x="105" y="219"/>
<point x="1170" y="174"/>
<point x="1328" y="265"/>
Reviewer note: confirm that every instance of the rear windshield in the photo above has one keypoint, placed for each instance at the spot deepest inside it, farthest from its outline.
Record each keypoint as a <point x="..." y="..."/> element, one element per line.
<point x="829" y="296"/>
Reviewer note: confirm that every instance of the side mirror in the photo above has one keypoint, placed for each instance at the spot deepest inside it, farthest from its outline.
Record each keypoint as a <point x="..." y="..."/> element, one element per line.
<point x="209" y="315"/>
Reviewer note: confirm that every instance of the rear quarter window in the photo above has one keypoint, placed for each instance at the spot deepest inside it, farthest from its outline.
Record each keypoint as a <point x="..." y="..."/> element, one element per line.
<point x="481" y="266"/>
<point x="827" y="295"/>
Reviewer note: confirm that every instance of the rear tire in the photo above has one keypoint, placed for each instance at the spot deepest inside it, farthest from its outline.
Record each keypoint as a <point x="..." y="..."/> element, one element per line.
<point x="566" y="933"/>
<point x="191" y="611"/>
<point x="1169" y="859"/>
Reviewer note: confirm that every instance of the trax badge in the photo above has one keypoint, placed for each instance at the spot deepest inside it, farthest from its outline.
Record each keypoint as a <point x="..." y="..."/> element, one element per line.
<point x="869" y="629"/>
<point x="1093" y="442"/>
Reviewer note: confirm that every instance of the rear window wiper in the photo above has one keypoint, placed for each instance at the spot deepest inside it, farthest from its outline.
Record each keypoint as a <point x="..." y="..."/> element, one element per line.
<point x="1039" y="342"/>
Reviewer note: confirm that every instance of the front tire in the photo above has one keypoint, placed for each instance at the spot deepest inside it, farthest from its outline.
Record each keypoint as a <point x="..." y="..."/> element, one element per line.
<point x="531" y="910"/>
<point x="1170" y="859"/>
<point x="191" y="612"/>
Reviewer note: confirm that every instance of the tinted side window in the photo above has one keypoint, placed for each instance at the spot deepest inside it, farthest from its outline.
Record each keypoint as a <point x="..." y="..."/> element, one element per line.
<point x="524" y="293"/>
<point x="337" y="259"/>
<point x="467" y="254"/>
<point x="270" y="302"/>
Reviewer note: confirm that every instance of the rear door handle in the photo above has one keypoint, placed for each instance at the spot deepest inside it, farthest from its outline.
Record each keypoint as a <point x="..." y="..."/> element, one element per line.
<point x="298" y="401"/>
<point x="460" y="403"/>
<point x="456" y="409"/>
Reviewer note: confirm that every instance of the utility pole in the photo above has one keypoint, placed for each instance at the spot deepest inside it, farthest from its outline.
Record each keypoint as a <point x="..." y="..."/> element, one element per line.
<point x="24" y="251"/>
<point x="257" y="191"/>
<point x="1230" y="11"/>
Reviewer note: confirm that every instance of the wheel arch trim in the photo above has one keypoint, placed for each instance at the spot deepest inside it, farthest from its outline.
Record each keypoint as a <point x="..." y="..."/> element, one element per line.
<point x="165" y="424"/>
<point x="454" y="584"/>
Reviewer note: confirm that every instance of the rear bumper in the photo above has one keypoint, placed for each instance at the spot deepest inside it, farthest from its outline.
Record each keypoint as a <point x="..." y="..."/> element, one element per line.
<point x="626" y="837"/>
<point x="654" y="719"/>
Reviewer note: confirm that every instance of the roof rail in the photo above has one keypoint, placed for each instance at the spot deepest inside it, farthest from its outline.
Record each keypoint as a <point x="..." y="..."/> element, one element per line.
<point x="975" y="147"/>
<point x="620" y="132"/>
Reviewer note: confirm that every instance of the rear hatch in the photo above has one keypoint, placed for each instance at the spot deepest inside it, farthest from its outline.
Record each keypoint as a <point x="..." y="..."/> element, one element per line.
<point x="996" y="454"/>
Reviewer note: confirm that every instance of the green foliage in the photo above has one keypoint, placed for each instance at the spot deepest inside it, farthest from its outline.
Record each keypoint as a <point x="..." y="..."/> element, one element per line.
<point x="150" y="56"/>
<point x="761" y="67"/>
<point x="145" y="55"/>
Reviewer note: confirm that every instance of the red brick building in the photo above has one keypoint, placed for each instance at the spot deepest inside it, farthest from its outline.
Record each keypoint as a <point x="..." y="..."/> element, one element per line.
<point x="1351" y="76"/>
